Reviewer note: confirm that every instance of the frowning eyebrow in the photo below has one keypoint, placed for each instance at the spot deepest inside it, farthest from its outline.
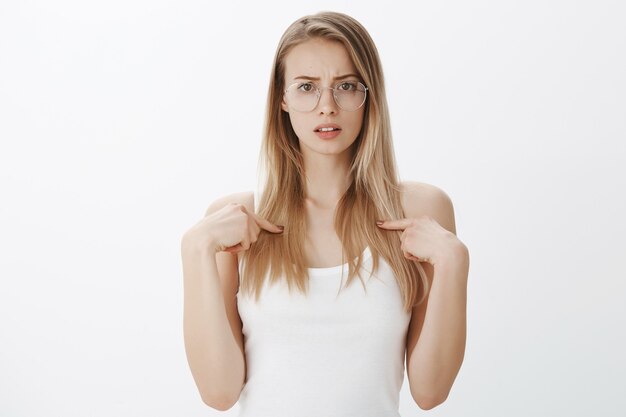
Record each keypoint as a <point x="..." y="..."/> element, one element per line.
<point x="341" y="77"/>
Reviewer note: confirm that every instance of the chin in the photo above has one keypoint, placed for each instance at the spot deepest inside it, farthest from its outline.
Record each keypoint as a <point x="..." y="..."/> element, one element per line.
<point x="327" y="149"/>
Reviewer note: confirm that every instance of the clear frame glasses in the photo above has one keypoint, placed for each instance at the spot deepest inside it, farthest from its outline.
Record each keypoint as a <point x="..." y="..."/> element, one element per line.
<point x="304" y="96"/>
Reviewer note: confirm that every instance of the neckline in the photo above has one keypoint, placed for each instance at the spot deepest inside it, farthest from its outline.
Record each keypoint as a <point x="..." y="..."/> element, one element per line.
<point x="338" y="268"/>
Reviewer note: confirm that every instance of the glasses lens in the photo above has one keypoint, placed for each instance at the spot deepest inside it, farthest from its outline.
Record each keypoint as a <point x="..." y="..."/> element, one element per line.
<point x="350" y="95"/>
<point x="302" y="96"/>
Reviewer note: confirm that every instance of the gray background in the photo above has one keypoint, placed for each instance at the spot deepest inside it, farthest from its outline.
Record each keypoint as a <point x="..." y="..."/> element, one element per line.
<point x="121" y="121"/>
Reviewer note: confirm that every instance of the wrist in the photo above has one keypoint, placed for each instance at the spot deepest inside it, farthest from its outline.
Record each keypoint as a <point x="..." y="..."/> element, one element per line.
<point x="456" y="255"/>
<point x="195" y="244"/>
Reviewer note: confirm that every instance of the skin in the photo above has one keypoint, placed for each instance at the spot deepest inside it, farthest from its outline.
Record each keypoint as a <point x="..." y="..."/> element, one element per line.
<point x="436" y="336"/>
<point x="437" y="331"/>
<point x="325" y="161"/>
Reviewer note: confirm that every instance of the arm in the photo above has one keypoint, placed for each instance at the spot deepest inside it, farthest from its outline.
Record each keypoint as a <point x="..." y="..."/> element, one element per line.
<point x="439" y="342"/>
<point x="212" y="327"/>
<point x="437" y="332"/>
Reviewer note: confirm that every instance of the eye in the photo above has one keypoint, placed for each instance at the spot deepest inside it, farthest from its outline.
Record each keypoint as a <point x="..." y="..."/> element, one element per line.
<point x="347" y="86"/>
<point x="306" y="87"/>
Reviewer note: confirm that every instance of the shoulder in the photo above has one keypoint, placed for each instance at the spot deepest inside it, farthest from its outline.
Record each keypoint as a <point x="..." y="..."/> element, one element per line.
<point x="244" y="197"/>
<point x="420" y="198"/>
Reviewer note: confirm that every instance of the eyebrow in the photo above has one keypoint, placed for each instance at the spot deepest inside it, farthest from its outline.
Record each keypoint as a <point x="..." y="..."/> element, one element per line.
<point x="306" y="77"/>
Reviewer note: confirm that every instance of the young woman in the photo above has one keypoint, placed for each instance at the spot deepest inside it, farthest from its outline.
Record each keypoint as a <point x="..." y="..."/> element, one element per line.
<point x="268" y="319"/>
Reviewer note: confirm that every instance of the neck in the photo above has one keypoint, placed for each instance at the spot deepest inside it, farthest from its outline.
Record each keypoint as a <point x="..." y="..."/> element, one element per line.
<point x="326" y="179"/>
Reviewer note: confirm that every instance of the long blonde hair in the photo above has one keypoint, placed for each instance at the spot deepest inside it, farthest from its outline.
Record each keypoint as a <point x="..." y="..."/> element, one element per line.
<point x="374" y="192"/>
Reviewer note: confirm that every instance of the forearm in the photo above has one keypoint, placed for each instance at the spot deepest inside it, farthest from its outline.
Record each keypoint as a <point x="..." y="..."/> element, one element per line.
<point x="438" y="354"/>
<point x="215" y="359"/>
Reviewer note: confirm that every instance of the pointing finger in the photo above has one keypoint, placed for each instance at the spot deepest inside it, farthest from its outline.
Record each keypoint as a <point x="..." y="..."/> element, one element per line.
<point x="399" y="224"/>
<point x="264" y="224"/>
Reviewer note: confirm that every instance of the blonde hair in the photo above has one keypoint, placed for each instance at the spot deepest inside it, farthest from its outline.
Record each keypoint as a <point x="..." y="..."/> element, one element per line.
<point x="374" y="192"/>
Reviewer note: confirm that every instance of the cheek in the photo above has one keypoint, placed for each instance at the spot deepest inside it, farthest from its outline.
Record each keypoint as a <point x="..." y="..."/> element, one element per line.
<point x="298" y="125"/>
<point x="358" y="121"/>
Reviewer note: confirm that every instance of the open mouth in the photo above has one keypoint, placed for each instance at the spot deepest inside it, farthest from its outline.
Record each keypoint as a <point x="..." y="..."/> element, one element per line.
<point x="327" y="129"/>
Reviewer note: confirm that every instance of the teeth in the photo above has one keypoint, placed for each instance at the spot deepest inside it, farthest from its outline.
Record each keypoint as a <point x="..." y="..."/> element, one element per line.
<point x="327" y="129"/>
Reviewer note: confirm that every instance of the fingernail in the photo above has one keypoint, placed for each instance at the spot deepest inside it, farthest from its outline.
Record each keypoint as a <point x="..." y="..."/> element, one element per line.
<point x="379" y="222"/>
<point x="281" y="227"/>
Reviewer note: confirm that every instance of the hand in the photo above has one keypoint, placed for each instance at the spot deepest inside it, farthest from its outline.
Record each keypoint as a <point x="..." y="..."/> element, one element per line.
<point x="231" y="229"/>
<point x="423" y="238"/>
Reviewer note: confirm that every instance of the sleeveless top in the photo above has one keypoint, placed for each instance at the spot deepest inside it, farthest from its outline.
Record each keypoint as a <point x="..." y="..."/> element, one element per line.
<point x="328" y="353"/>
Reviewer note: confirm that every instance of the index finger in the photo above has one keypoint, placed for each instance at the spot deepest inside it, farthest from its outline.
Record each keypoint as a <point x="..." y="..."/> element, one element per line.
<point x="265" y="224"/>
<point x="399" y="224"/>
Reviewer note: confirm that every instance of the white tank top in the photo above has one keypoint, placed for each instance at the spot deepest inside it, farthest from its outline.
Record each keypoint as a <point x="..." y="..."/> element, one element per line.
<point x="327" y="354"/>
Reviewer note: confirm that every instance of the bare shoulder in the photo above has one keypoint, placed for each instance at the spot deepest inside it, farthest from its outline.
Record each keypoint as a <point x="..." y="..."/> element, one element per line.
<point x="245" y="197"/>
<point x="420" y="198"/>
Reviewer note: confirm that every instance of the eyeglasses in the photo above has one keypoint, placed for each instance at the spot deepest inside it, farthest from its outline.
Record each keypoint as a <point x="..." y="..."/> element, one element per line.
<point x="304" y="96"/>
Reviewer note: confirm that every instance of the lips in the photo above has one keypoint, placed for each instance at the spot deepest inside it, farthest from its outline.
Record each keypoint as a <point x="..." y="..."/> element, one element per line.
<point x="326" y="127"/>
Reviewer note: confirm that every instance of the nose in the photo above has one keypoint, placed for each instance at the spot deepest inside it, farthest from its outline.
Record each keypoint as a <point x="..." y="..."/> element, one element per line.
<point x="327" y="103"/>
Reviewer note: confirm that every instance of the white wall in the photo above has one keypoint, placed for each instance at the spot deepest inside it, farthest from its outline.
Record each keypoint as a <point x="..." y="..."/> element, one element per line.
<point x="121" y="121"/>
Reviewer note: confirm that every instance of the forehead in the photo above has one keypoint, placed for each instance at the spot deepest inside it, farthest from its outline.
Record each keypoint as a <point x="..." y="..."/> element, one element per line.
<point x="318" y="58"/>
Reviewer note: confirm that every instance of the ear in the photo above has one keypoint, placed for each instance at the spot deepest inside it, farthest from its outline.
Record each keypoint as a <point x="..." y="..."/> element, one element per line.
<point x="283" y="105"/>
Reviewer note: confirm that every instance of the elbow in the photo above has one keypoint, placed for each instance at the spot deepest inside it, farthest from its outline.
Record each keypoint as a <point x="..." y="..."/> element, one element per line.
<point x="218" y="403"/>
<point x="218" y="396"/>
<point x="428" y="402"/>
